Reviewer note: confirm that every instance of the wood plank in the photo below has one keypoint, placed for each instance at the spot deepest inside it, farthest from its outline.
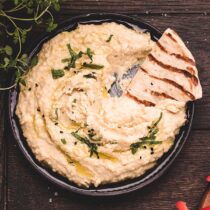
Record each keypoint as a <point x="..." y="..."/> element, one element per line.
<point x="136" y="6"/>
<point x="28" y="190"/>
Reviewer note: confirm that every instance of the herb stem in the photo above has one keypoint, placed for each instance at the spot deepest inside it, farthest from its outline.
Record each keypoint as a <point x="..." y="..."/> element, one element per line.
<point x="20" y="19"/>
<point x="7" y="88"/>
<point x="50" y="14"/>
<point x="24" y="63"/>
<point x="18" y="32"/>
<point x="37" y="10"/>
<point x="28" y="19"/>
<point x="43" y="12"/>
<point x="11" y="26"/>
<point x="17" y="8"/>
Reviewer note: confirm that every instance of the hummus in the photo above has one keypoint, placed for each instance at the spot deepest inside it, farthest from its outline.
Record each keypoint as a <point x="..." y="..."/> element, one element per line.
<point x="76" y="116"/>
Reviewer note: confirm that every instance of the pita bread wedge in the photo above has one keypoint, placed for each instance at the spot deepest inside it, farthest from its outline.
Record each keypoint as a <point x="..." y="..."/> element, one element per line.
<point x="169" y="71"/>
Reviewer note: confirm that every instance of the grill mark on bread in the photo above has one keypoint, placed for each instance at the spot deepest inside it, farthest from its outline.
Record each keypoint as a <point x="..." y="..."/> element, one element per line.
<point x="187" y="74"/>
<point x="164" y="95"/>
<point x="171" y="37"/>
<point x="178" y="56"/>
<point x="176" y="42"/>
<point x="190" y="69"/>
<point x="146" y="103"/>
<point x="190" y="95"/>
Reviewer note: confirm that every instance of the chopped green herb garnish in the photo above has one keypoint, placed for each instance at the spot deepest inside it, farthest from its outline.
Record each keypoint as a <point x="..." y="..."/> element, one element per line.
<point x="57" y="73"/>
<point x="90" y="76"/>
<point x="89" y="53"/>
<point x="110" y="38"/>
<point x="150" y="139"/>
<point x="63" y="141"/>
<point x="92" y="66"/>
<point x="135" y="146"/>
<point x="34" y="61"/>
<point x="73" y="58"/>
<point x="92" y="146"/>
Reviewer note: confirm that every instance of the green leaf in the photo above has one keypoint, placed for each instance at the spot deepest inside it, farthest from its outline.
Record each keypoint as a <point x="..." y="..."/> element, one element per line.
<point x="57" y="6"/>
<point x="6" y="61"/>
<point x="24" y="57"/>
<point x="63" y="141"/>
<point x="23" y="36"/>
<point x="16" y="36"/>
<point x="34" y="61"/>
<point x="57" y="73"/>
<point x="71" y="51"/>
<point x="16" y="2"/>
<point x="19" y="78"/>
<point x="92" y="66"/>
<point x="90" y="53"/>
<point x="51" y="25"/>
<point x="8" y="50"/>
<point x="29" y="3"/>
<point x="74" y="57"/>
<point x="93" y="147"/>
<point x="110" y="37"/>
<point x="135" y="146"/>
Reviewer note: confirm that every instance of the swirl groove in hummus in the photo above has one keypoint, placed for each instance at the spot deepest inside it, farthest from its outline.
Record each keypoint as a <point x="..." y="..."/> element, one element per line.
<point x="74" y="125"/>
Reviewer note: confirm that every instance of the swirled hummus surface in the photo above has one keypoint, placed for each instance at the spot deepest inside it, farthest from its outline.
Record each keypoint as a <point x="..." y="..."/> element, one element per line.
<point x="76" y="115"/>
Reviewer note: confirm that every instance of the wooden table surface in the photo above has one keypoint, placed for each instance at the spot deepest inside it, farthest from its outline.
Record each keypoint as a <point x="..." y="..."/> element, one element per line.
<point x="24" y="189"/>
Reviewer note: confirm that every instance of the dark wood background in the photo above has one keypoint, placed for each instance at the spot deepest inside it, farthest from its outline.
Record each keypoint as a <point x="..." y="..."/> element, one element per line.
<point x="24" y="189"/>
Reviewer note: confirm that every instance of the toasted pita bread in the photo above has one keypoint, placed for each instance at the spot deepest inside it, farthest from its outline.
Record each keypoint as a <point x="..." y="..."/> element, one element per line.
<point x="169" y="71"/>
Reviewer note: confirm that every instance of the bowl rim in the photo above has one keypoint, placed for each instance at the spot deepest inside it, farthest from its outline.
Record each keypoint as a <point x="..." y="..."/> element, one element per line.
<point x="109" y="189"/>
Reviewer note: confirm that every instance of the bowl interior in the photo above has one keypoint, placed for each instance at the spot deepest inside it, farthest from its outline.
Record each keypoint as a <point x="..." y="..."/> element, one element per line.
<point x="109" y="189"/>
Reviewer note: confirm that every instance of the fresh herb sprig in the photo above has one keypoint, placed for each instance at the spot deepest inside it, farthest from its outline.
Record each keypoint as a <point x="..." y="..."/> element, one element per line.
<point x="93" y="147"/>
<point x="57" y="73"/>
<point x="14" y="30"/>
<point x="63" y="141"/>
<point x="150" y="139"/>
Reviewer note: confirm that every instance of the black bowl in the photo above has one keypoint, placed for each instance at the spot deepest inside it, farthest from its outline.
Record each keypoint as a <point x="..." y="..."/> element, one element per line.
<point x="108" y="189"/>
